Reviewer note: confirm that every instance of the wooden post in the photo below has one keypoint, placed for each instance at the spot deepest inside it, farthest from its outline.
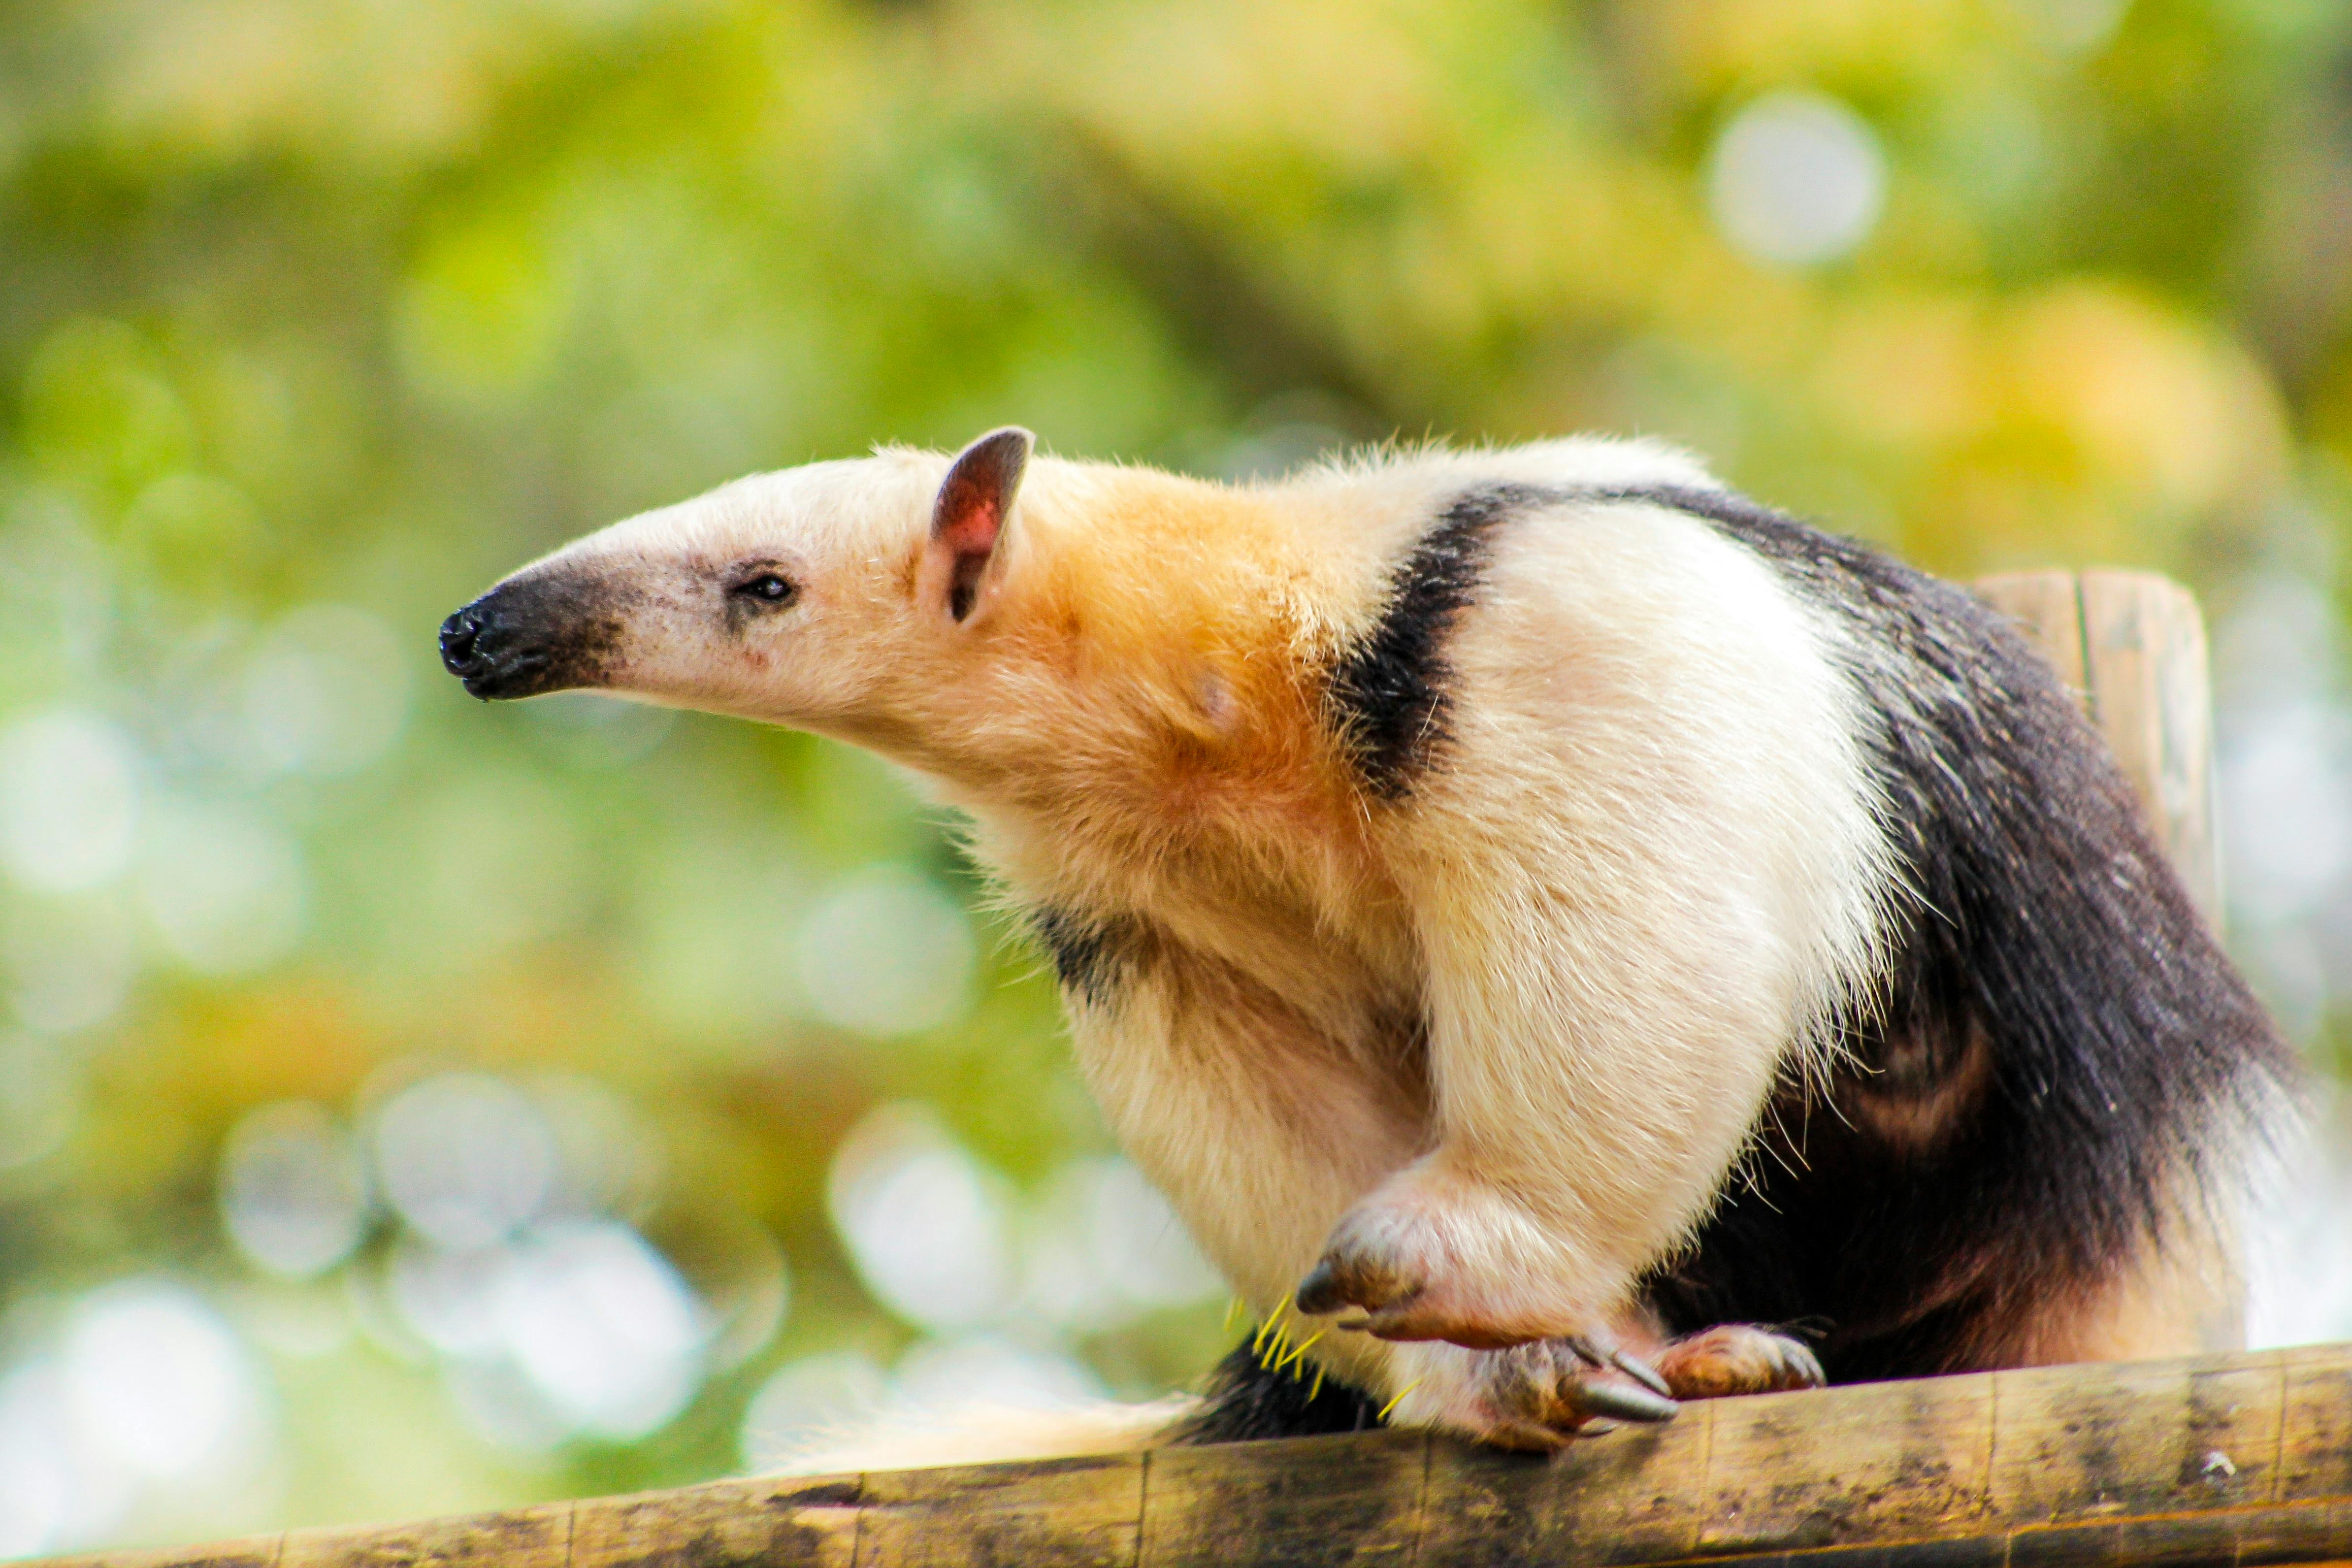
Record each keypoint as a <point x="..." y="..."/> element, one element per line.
<point x="2219" y="1462"/>
<point x="2132" y="645"/>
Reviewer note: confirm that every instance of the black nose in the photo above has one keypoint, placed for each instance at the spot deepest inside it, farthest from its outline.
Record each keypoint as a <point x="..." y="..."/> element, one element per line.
<point x="502" y="644"/>
<point x="460" y="634"/>
<point x="534" y="634"/>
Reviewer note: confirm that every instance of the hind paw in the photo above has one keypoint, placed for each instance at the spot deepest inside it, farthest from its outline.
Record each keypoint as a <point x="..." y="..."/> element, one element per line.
<point x="1539" y="1397"/>
<point x="1737" y="1358"/>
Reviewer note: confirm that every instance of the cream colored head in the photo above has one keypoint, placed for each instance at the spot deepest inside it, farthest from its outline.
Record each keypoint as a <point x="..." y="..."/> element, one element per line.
<point x="818" y="597"/>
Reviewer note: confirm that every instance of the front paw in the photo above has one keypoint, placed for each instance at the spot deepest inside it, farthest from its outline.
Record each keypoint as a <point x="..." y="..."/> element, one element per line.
<point x="1462" y="1272"/>
<point x="1381" y="1280"/>
<point x="1396" y="1269"/>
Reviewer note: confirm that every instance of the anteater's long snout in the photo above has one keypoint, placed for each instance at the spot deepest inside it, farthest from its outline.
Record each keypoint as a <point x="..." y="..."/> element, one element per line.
<point x="534" y="634"/>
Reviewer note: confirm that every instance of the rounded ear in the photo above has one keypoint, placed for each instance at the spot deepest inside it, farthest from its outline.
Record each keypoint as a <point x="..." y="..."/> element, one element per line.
<point x="969" y="517"/>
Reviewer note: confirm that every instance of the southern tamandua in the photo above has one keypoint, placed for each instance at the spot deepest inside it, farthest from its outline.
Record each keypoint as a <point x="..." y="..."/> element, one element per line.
<point x="1535" y="909"/>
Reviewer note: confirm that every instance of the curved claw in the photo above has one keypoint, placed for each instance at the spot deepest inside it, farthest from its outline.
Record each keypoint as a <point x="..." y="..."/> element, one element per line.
<point x="1403" y="1320"/>
<point x="1643" y="1373"/>
<point x="1600" y="1355"/>
<point x="1625" y="1403"/>
<point x="1319" y="1292"/>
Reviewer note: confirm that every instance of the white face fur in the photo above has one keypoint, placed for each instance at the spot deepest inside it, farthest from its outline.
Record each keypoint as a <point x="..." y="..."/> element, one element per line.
<point x="798" y="598"/>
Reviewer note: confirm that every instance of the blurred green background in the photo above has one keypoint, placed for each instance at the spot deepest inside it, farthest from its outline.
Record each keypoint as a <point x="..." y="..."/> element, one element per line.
<point x="407" y="1105"/>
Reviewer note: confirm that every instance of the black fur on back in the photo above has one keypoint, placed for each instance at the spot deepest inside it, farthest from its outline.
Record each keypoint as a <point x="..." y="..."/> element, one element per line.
<point x="1388" y="695"/>
<point x="1248" y="1399"/>
<point x="2121" y="1062"/>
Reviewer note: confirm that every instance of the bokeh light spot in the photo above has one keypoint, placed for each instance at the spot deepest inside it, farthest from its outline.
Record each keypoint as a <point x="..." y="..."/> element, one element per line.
<point x="69" y="962"/>
<point x="158" y="1382"/>
<point x="293" y="1191"/>
<point x="887" y="954"/>
<point x="1141" y="1246"/>
<point x="604" y="1327"/>
<point x="1796" y="178"/>
<point x="465" y="1159"/>
<point x="326" y="691"/>
<point x="809" y="1402"/>
<point x="224" y="890"/>
<point x="69" y="800"/>
<point x="984" y="1369"/>
<point x="923" y="1220"/>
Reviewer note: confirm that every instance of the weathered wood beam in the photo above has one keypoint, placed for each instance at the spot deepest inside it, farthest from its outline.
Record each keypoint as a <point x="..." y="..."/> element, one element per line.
<point x="2220" y="1462"/>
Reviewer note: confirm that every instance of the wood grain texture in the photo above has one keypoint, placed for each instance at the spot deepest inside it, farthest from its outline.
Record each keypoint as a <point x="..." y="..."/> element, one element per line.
<point x="2132" y="645"/>
<point x="1052" y="1513"/>
<point x="730" y="1524"/>
<point x="2217" y="1462"/>
<point x="1355" y="1501"/>
<point x="525" y="1538"/>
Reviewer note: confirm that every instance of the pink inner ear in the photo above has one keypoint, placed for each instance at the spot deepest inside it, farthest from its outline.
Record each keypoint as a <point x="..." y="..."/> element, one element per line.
<point x="968" y="516"/>
<point x="970" y="512"/>
<point x="968" y="522"/>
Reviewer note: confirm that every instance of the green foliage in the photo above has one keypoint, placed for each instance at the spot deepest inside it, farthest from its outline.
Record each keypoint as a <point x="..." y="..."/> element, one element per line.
<point x="318" y="315"/>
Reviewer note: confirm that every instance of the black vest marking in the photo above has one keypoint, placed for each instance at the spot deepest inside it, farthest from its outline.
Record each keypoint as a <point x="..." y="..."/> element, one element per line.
<point x="1388" y="695"/>
<point x="2046" y="931"/>
<point x="1246" y="1400"/>
<point x="1091" y="955"/>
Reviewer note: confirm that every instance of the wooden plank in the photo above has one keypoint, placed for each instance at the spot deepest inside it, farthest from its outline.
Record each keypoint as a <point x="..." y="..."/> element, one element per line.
<point x="1896" y="1461"/>
<point x="2146" y="1438"/>
<point x="2232" y="1461"/>
<point x="525" y="1538"/>
<point x="1641" y="1500"/>
<point x="1052" y="1513"/>
<point x="1328" y="1500"/>
<point x="792" y="1522"/>
<point x="2315" y="1446"/>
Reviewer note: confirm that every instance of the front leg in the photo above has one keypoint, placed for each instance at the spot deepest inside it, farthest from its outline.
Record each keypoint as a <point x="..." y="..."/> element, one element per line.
<point x="1265" y="1127"/>
<point x="1261" y="1118"/>
<point x="1600" y="1048"/>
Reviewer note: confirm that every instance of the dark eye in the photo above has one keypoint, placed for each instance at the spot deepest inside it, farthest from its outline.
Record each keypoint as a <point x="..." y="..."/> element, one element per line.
<point x="767" y="588"/>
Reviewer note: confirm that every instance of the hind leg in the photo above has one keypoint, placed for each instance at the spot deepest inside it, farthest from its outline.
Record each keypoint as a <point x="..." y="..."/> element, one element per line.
<point x="1537" y="1397"/>
<point x="1737" y="1358"/>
